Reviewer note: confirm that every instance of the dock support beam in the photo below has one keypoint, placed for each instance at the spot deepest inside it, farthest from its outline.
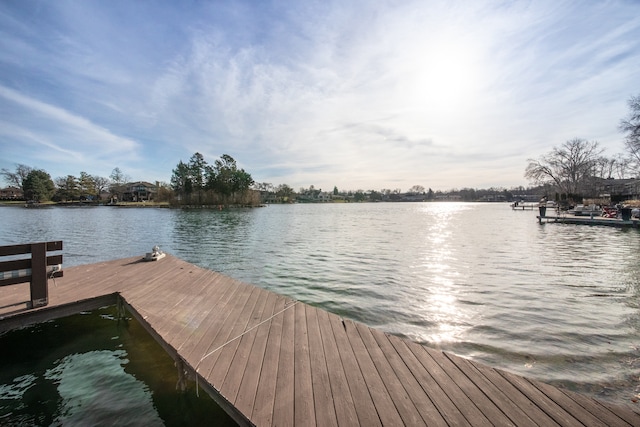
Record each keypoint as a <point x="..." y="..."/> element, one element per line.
<point x="121" y="311"/>
<point x="181" y="385"/>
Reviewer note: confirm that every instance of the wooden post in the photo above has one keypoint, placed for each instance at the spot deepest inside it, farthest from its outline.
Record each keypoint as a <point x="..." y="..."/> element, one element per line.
<point x="181" y="385"/>
<point x="542" y="210"/>
<point x="39" y="289"/>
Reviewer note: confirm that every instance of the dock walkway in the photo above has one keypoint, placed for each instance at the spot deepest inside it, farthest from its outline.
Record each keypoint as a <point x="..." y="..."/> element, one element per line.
<point x="269" y="360"/>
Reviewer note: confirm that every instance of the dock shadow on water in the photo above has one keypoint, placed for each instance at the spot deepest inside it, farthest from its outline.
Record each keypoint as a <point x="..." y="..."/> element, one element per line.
<point x="93" y="369"/>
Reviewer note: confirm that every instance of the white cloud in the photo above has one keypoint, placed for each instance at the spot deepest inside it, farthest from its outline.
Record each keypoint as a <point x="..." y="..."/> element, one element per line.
<point x="54" y="134"/>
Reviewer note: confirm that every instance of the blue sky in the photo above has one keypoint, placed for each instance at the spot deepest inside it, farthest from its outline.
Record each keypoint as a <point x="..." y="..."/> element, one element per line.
<point x="353" y="94"/>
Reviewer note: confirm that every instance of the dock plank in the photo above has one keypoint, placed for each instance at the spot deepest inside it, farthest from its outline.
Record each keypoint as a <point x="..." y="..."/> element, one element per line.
<point x="344" y="407"/>
<point x="235" y="368"/>
<point x="440" y="399"/>
<point x="476" y="395"/>
<point x="169" y="314"/>
<point x="605" y="414"/>
<point x="226" y="327"/>
<point x="303" y="403"/>
<point x="569" y="404"/>
<point x="363" y="402"/>
<point x="421" y="400"/>
<point x="223" y="356"/>
<point x="500" y="396"/>
<point x="15" y="299"/>
<point x="322" y="397"/>
<point x="248" y="387"/>
<point x="401" y="399"/>
<point x="213" y="301"/>
<point x="264" y="399"/>
<point x="384" y="404"/>
<point x="556" y="412"/>
<point x="283" y="408"/>
<point x="198" y="343"/>
<point x="465" y="405"/>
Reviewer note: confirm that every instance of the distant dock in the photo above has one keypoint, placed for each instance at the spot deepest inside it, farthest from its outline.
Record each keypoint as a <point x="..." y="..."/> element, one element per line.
<point x="269" y="360"/>
<point x="588" y="220"/>
<point x="524" y="206"/>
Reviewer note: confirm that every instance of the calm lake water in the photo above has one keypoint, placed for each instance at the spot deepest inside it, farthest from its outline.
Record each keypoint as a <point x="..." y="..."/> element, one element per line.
<point x="559" y="303"/>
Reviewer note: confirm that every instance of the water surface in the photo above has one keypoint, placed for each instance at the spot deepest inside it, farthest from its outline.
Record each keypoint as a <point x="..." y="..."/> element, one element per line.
<point x="555" y="302"/>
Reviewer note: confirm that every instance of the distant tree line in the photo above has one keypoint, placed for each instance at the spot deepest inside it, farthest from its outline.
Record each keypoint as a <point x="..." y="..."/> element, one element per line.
<point x="197" y="182"/>
<point x="38" y="186"/>
<point x="192" y="183"/>
<point x="285" y="194"/>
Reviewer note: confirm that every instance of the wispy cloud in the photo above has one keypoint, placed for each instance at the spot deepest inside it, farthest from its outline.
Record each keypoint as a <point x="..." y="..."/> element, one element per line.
<point x="52" y="133"/>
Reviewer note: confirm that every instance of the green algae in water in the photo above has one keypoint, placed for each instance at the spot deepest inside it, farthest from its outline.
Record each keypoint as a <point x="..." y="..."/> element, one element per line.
<point x="93" y="369"/>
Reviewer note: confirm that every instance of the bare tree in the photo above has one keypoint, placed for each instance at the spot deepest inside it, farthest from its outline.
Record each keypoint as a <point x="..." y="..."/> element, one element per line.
<point x="16" y="178"/>
<point x="101" y="184"/>
<point x="284" y="192"/>
<point x="612" y="167"/>
<point x="631" y="126"/>
<point x="622" y="166"/>
<point x="416" y="189"/>
<point x="118" y="181"/>
<point x="264" y="186"/>
<point x="569" y="167"/>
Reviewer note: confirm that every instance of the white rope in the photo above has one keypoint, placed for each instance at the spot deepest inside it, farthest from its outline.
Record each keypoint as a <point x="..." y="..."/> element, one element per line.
<point x="239" y="336"/>
<point x="52" y="277"/>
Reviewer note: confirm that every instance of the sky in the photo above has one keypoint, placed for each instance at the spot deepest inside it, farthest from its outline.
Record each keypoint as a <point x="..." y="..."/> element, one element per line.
<point x="367" y="95"/>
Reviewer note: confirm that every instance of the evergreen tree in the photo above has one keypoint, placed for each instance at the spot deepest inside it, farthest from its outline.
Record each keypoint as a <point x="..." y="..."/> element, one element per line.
<point x="67" y="188"/>
<point x="226" y="179"/>
<point x="38" y="186"/>
<point x="181" y="182"/>
<point x="197" y="170"/>
<point x="86" y="186"/>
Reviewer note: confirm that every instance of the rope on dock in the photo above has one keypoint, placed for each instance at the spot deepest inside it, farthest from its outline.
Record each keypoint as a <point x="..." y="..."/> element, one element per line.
<point x="235" y="338"/>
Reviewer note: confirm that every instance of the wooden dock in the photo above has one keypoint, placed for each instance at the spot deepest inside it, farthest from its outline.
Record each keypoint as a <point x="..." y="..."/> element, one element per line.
<point x="269" y="360"/>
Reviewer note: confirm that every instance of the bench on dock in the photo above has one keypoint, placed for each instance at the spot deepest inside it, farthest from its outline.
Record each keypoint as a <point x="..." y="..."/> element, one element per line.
<point x="36" y="269"/>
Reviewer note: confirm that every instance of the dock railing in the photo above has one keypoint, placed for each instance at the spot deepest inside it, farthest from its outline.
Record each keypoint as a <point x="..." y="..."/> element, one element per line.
<point x="36" y="269"/>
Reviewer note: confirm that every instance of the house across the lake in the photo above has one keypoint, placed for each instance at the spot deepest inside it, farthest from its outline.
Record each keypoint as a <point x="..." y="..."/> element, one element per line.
<point x="618" y="189"/>
<point x="11" y="193"/>
<point x="140" y="191"/>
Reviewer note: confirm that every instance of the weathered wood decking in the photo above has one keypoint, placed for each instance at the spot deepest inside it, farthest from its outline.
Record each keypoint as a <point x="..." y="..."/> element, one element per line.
<point x="272" y="361"/>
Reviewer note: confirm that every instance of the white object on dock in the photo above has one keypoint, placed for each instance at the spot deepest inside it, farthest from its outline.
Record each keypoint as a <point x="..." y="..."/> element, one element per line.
<point x="155" y="255"/>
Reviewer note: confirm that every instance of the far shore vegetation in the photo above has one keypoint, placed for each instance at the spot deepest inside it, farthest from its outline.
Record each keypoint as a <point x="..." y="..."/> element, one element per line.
<point x="570" y="173"/>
